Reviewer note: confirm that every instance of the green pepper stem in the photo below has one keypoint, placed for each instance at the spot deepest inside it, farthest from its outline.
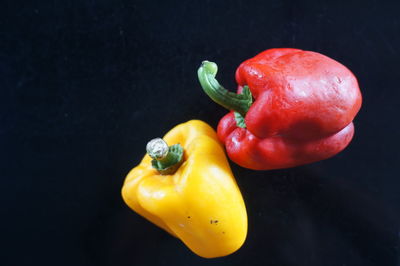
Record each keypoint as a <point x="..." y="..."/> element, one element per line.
<point x="237" y="102"/>
<point x="166" y="160"/>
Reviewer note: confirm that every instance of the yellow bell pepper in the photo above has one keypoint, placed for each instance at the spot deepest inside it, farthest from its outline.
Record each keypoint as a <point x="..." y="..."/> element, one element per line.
<point x="200" y="203"/>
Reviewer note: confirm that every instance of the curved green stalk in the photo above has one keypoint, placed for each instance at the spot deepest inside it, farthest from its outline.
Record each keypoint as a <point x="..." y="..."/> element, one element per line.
<point x="239" y="103"/>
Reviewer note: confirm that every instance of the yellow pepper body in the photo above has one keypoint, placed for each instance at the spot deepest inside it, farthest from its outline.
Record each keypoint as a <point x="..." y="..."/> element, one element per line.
<point x="200" y="203"/>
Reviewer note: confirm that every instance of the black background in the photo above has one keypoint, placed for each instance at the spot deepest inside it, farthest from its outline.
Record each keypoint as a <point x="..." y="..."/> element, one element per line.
<point x="85" y="85"/>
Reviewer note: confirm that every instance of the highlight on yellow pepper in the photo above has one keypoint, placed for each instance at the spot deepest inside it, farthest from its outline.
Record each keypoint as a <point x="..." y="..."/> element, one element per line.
<point x="188" y="189"/>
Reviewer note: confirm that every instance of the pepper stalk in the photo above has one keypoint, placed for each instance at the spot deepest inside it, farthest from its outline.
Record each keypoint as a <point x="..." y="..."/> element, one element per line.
<point x="166" y="159"/>
<point x="240" y="103"/>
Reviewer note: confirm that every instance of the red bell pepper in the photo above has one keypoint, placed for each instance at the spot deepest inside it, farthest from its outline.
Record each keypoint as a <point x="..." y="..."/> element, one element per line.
<point x="304" y="105"/>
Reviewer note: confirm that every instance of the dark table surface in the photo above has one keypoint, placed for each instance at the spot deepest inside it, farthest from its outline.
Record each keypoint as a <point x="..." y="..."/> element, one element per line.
<point x="85" y="85"/>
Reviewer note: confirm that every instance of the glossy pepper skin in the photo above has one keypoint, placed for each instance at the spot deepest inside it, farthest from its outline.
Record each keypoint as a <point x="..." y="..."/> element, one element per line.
<point x="302" y="112"/>
<point x="200" y="203"/>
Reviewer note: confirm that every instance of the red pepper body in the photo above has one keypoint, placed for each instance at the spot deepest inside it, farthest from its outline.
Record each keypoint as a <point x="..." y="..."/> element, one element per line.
<point x="304" y="105"/>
